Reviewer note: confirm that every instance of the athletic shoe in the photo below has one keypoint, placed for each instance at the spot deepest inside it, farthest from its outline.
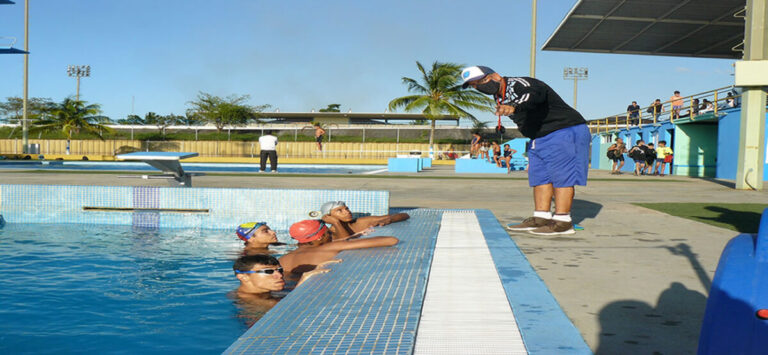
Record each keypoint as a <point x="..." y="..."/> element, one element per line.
<point x="554" y="228"/>
<point x="529" y="223"/>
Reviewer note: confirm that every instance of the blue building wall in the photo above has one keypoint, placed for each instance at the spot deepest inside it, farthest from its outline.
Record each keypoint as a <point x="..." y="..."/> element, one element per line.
<point x="649" y="133"/>
<point x="728" y="145"/>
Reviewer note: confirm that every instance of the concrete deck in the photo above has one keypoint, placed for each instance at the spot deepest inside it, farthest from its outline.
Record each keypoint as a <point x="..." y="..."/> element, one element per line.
<point x="634" y="281"/>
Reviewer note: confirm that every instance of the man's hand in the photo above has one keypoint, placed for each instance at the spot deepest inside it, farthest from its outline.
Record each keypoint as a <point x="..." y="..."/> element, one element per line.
<point x="504" y="110"/>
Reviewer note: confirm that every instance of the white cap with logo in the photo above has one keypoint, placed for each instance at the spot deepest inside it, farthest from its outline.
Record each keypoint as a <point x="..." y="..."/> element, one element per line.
<point x="474" y="73"/>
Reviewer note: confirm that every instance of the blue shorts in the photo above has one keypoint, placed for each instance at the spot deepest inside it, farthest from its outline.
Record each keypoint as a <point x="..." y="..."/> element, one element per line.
<point x="560" y="158"/>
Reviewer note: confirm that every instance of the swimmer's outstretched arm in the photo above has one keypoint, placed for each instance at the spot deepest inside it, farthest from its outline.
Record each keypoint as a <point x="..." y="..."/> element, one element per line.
<point x="384" y="220"/>
<point x="373" y="242"/>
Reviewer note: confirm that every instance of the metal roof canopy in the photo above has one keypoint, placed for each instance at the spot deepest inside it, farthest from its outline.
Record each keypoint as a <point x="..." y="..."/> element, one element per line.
<point x="690" y="28"/>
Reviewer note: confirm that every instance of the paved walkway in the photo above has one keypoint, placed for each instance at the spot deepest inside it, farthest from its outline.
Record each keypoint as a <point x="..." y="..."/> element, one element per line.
<point x="634" y="281"/>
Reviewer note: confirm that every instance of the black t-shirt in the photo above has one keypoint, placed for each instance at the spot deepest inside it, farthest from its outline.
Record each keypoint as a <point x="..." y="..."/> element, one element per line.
<point x="539" y="110"/>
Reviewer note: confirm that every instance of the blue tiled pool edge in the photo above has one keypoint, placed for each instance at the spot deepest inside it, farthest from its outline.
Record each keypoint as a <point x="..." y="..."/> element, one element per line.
<point x="543" y="324"/>
<point x="369" y="303"/>
<point x="225" y="207"/>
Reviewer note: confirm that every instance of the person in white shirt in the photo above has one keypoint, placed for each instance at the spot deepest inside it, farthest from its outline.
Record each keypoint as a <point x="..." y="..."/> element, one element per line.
<point x="268" y="144"/>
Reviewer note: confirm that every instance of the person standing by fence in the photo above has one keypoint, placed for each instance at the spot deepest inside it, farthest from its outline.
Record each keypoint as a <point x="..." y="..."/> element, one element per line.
<point x="268" y="145"/>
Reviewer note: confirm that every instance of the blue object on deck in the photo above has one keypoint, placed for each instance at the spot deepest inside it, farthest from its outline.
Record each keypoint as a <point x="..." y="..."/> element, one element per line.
<point x="426" y="162"/>
<point x="479" y="166"/>
<point x="732" y="322"/>
<point x="404" y="165"/>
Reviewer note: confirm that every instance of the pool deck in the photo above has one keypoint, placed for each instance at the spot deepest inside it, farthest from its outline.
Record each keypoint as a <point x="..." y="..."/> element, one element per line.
<point x="634" y="281"/>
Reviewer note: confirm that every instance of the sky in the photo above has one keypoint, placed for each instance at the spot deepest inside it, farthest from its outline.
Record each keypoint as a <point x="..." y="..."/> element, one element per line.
<point x="299" y="55"/>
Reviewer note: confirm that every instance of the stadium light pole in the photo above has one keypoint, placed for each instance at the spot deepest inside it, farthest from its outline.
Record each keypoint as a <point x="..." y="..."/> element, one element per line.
<point x="79" y="71"/>
<point x="24" y="125"/>
<point x="533" y="39"/>
<point x="575" y="74"/>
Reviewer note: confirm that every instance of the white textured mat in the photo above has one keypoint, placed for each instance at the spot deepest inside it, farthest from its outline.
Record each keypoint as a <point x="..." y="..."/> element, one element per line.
<point x="465" y="309"/>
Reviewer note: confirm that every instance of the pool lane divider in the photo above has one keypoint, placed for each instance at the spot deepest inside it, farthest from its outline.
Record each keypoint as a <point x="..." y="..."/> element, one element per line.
<point x="465" y="307"/>
<point x="543" y="324"/>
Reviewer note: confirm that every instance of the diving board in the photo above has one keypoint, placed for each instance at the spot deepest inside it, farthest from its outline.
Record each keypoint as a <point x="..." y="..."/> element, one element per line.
<point x="168" y="163"/>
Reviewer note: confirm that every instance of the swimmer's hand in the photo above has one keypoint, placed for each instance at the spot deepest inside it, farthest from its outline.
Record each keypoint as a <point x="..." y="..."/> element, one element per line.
<point x="329" y="262"/>
<point x="504" y="110"/>
<point x="305" y="276"/>
<point x="361" y="233"/>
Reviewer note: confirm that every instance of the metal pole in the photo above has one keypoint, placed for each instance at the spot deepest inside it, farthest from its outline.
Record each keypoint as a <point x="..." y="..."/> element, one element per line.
<point x="575" y="90"/>
<point x="24" y="125"/>
<point x="77" y="97"/>
<point x="533" y="39"/>
<point x="751" y="154"/>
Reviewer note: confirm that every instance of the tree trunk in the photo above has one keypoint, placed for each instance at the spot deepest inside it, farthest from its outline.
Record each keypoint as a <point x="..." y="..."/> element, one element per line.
<point x="432" y="140"/>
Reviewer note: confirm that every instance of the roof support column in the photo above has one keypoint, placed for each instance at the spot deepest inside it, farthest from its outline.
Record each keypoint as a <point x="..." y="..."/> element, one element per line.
<point x="751" y="156"/>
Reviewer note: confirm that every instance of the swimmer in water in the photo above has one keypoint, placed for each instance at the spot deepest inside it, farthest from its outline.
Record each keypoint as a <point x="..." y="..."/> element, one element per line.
<point x="345" y="226"/>
<point x="317" y="247"/>
<point x="257" y="237"/>
<point x="260" y="276"/>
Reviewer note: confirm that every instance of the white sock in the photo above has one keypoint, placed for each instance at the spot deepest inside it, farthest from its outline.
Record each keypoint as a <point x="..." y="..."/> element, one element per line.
<point x="542" y="214"/>
<point x="562" y="217"/>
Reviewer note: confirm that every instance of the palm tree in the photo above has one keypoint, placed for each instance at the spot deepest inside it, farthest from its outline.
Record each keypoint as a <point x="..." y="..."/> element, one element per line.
<point x="440" y="93"/>
<point x="72" y="116"/>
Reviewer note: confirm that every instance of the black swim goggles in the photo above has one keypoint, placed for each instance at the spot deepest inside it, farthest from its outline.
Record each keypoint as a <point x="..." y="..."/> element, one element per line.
<point x="262" y="271"/>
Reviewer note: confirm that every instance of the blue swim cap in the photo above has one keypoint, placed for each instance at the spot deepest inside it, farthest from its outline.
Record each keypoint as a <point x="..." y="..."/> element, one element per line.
<point x="245" y="230"/>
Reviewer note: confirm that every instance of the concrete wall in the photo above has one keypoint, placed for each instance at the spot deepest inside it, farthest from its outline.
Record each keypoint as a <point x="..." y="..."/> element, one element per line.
<point x="728" y="145"/>
<point x="227" y="149"/>
<point x="696" y="149"/>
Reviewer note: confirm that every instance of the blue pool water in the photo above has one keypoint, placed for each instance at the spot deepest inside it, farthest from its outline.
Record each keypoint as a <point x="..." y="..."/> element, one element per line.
<point x="191" y="167"/>
<point x="73" y="288"/>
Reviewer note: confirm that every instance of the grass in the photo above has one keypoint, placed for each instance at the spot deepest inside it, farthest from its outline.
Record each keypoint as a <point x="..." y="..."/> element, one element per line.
<point x="740" y="217"/>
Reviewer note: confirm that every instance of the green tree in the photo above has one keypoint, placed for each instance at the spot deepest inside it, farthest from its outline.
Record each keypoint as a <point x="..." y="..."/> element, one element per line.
<point x="161" y="121"/>
<point x="73" y="116"/>
<point x="132" y="120"/>
<point x="439" y="93"/>
<point x="332" y="108"/>
<point x="37" y="108"/>
<point x="190" y="118"/>
<point x="225" y="111"/>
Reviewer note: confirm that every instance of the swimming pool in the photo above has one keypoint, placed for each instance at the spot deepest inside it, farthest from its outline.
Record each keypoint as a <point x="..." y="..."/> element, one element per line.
<point x="191" y="167"/>
<point x="74" y="288"/>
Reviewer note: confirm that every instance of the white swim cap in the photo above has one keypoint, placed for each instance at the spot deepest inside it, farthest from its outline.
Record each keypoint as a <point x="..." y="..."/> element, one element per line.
<point x="330" y="205"/>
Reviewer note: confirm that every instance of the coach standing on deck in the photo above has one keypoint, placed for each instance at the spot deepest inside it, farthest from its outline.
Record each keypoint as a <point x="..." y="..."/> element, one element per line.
<point x="559" y="149"/>
<point x="268" y="145"/>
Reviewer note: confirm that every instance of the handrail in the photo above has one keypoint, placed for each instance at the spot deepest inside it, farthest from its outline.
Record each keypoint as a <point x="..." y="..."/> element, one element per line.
<point x="645" y="117"/>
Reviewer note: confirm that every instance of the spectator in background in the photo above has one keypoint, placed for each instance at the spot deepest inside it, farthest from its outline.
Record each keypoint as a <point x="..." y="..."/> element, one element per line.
<point x="496" y="148"/>
<point x="484" y="147"/>
<point x="693" y="111"/>
<point x="655" y="109"/>
<point x="637" y="153"/>
<point x="663" y="156"/>
<point x="451" y="154"/>
<point x="650" y="158"/>
<point x="618" y="149"/>
<point x="677" y="104"/>
<point x="474" y="149"/>
<point x="706" y="106"/>
<point x="508" y="153"/>
<point x="268" y="144"/>
<point x="633" y="111"/>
